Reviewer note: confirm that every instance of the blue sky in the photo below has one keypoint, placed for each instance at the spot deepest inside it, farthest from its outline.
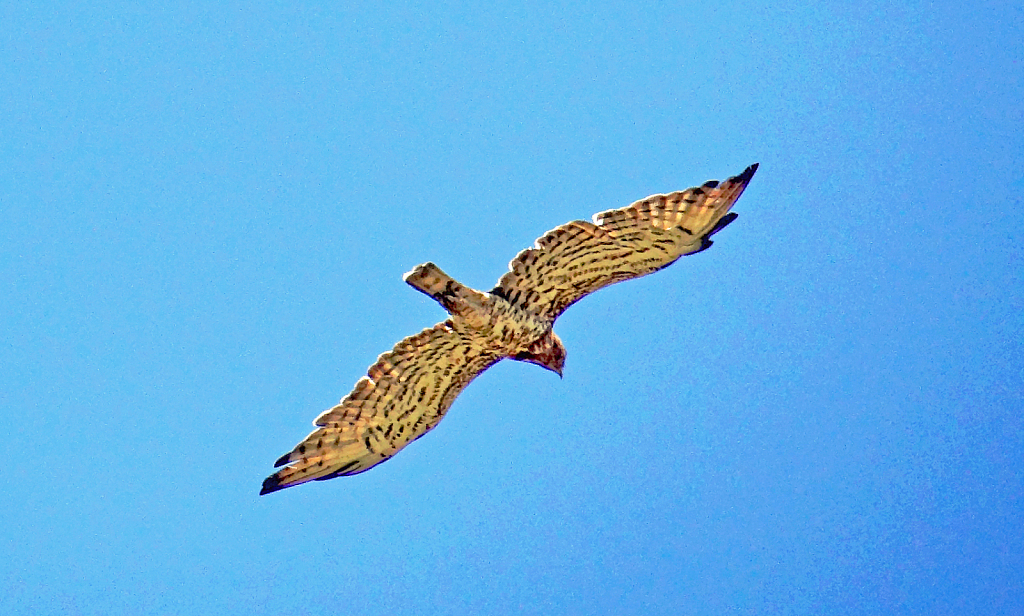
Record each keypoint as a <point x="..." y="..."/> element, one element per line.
<point x="207" y="210"/>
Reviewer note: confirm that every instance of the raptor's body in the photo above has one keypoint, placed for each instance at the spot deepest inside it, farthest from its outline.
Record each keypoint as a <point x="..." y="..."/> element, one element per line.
<point x="409" y="389"/>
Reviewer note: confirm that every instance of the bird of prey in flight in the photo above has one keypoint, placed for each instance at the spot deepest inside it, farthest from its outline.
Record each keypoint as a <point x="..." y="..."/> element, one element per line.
<point x="409" y="389"/>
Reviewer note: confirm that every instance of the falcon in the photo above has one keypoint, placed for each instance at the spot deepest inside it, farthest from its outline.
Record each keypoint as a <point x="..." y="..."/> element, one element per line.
<point x="410" y="388"/>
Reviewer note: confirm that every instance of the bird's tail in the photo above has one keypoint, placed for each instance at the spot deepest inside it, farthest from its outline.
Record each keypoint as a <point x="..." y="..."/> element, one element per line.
<point x="428" y="278"/>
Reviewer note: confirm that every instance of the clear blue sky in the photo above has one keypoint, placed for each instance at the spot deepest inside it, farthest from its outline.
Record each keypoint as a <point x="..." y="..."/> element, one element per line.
<point x="206" y="211"/>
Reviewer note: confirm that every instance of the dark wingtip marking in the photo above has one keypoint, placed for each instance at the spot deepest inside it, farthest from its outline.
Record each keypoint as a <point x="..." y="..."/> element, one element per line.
<point x="282" y="460"/>
<point x="271" y="484"/>
<point x="722" y="223"/>
<point x="747" y="173"/>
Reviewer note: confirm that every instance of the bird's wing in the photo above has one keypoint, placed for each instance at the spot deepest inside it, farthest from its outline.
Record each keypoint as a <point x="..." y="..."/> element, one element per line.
<point x="403" y="396"/>
<point x="581" y="257"/>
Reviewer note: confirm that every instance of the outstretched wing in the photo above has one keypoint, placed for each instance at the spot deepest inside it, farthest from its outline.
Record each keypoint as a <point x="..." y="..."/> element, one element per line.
<point x="581" y="257"/>
<point x="400" y="399"/>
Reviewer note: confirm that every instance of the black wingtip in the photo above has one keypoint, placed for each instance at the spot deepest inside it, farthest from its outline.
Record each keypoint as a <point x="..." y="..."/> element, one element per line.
<point x="271" y="484"/>
<point x="705" y="243"/>
<point x="722" y="223"/>
<point x="283" y="460"/>
<point x="747" y="173"/>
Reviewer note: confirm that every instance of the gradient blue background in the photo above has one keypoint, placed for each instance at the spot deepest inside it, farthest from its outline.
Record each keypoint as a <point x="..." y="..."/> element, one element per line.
<point x="206" y="212"/>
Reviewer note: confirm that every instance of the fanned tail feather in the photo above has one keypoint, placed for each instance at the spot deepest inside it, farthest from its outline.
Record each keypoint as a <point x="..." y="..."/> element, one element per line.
<point x="428" y="278"/>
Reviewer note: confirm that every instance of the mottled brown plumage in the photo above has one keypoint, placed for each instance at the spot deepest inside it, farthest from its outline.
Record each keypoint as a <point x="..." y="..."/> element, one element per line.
<point x="409" y="389"/>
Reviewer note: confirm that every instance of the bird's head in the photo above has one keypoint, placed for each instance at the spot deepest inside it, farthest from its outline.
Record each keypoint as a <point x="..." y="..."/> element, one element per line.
<point x="548" y="352"/>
